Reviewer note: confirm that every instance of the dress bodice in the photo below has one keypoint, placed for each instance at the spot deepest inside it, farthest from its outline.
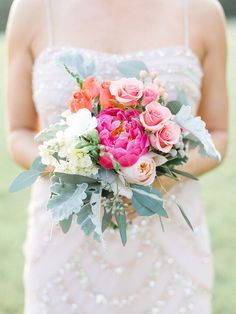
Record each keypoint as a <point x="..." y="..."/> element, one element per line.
<point x="178" y="68"/>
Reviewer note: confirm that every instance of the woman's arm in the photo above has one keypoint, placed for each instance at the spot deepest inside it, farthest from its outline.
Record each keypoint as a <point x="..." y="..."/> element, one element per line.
<point x="213" y="108"/>
<point x="22" y="116"/>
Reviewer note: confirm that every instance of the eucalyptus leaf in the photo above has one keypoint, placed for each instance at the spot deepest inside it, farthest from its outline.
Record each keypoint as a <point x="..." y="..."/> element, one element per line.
<point x="148" y="200"/>
<point x="122" y="225"/>
<point x="76" y="63"/>
<point x="38" y="165"/>
<point x="66" y="224"/>
<point x="185" y="217"/>
<point x="141" y="209"/>
<point x="184" y="174"/>
<point x="24" y="180"/>
<point x="174" y="106"/>
<point x="131" y="68"/>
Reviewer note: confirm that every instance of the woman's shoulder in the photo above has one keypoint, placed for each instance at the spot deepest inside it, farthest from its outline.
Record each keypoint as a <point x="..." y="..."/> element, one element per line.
<point x="26" y="7"/>
<point x="24" y="19"/>
<point x="209" y="20"/>
<point x="24" y="14"/>
<point x="212" y="9"/>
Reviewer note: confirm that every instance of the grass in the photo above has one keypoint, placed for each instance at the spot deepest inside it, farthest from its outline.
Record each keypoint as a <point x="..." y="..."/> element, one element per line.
<point x="219" y="196"/>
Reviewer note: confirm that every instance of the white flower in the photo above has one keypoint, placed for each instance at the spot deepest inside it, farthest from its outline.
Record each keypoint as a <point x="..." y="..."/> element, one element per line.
<point x="80" y="123"/>
<point x="46" y="152"/>
<point x="77" y="162"/>
<point x="65" y="114"/>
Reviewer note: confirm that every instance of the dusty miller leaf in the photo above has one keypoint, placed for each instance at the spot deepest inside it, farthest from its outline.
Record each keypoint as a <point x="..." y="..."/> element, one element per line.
<point x="197" y="128"/>
<point x="50" y="132"/>
<point x="66" y="199"/>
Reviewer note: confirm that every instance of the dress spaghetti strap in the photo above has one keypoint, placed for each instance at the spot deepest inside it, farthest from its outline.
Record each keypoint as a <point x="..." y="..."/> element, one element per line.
<point x="48" y="10"/>
<point x="186" y="22"/>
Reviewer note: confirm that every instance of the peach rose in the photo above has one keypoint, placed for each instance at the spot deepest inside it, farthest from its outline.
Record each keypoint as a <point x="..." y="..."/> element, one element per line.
<point x="143" y="172"/>
<point x="105" y="95"/>
<point x="164" y="139"/>
<point x="81" y="99"/>
<point x="91" y="85"/>
<point x="127" y="91"/>
<point x="150" y="94"/>
<point x="155" y="116"/>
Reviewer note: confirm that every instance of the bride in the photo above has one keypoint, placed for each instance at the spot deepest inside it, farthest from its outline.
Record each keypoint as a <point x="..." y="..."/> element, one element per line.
<point x="184" y="41"/>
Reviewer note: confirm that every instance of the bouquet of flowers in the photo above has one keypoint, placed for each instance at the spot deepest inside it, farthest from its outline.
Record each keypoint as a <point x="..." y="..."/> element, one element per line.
<point x="114" y="141"/>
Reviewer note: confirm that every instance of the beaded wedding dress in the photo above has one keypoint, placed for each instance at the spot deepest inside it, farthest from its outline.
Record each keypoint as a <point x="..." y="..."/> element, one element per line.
<point x="157" y="272"/>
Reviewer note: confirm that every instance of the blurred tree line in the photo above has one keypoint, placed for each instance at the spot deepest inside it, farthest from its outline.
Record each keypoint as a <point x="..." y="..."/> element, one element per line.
<point x="229" y="7"/>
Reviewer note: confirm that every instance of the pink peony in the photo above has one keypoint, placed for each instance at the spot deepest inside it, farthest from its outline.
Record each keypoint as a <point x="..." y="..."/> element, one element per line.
<point x="127" y="91"/>
<point x="164" y="139"/>
<point x="143" y="172"/>
<point x="155" y="116"/>
<point x="122" y="135"/>
<point x="150" y="94"/>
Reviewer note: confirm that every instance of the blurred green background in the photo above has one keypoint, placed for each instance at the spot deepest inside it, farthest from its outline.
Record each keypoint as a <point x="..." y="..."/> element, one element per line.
<point x="219" y="188"/>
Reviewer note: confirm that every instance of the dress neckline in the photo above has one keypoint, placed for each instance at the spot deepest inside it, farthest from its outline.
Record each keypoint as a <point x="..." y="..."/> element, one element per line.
<point x="133" y="54"/>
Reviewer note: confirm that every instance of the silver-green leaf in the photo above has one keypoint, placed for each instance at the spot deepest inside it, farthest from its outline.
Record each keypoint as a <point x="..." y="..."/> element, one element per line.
<point x="66" y="199"/>
<point x="24" y="180"/>
<point x="131" y="68"/>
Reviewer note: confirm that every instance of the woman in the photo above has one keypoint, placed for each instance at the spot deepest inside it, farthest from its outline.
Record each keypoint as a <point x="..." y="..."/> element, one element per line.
<point x="184" y="41"/>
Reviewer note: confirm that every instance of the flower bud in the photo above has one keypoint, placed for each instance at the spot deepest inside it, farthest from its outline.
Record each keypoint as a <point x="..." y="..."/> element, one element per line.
<point x="157" y="82"/>
<point x="143" y="74"/>
<point x="162" y="91"/>
<point x="153" y="75"/>
<point x="165" y="96"/>
<point x="182" y="153"/>
<point x="173" y="153"/>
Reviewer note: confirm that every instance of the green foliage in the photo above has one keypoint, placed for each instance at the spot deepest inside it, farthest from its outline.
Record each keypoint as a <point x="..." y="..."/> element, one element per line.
<point x="147" y="201"/>
<point x="174" y="106"/>
<point x="66" y="199"/>
<point x="122" y="225"/>
<point x="131" y="68"/>
<point x="27" y="178"/>
<point x="65" y="224"/>
<point x="50" y="133"/>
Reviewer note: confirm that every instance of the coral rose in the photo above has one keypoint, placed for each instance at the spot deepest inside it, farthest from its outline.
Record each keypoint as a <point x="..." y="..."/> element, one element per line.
<point x="81" y="99"/>
<point x="127" y="91"/>
<point x="91" y="86"/>
<point x="164" y="139"/>
<point x="122" y="136"/>
<point x="155" y="116"/>
<point x="105" y="95"/>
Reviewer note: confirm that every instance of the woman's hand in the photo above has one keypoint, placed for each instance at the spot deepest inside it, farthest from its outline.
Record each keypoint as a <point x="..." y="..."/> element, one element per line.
<point x="47" y="171"/>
